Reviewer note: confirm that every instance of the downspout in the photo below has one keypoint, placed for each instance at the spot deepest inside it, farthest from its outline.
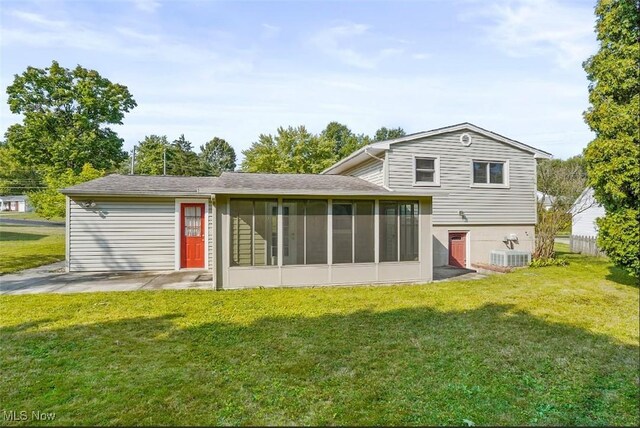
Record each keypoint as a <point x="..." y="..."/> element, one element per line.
<point x="384" y="172"/>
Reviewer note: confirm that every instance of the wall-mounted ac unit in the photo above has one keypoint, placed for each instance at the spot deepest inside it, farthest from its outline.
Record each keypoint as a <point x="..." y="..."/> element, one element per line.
<point x="511" y="258"/>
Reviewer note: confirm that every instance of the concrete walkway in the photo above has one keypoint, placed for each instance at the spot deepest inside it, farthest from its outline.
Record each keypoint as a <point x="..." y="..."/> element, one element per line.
<point x="450" y="273"/>
<point x="53" y="279"/>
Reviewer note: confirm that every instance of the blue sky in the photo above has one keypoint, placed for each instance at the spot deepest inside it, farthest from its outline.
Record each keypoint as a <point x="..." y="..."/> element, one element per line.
<point x="238" y="69"/>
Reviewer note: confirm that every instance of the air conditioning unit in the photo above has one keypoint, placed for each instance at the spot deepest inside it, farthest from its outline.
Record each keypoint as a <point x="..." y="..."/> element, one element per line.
<point x="510" y="258"/>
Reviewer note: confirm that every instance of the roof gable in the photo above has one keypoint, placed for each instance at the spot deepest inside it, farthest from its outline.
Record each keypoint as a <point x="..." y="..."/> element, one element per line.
<point x="380" y="147"/>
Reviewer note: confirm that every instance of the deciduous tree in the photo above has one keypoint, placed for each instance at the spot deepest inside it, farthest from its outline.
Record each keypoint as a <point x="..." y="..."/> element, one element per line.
<point x="66" y="117"/>
<point x="561" y="183"/>
<point x="217" y="156"/>
<point x="384" y="133"/>
<point x="50" y="202"/>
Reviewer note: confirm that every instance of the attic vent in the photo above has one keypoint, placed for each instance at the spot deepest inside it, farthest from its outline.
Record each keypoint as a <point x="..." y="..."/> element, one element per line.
<point x="510" y="258"/>
<point x="465" y="139"/>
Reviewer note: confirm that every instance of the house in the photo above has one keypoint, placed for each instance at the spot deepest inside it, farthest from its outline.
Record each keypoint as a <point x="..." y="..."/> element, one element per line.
<point x="585" y="210"/>
<point x="16" y="203"/>
<point x="387" y="213"/>
<point x="547" y="201"/>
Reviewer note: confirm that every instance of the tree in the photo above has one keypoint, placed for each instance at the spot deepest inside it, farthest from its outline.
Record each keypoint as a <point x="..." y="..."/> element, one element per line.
<point x="561" y="183"/>
<point x="344" y="140"/>
<point x="16" y="178"/>
<point x="291" y="150"/>
<point x="612" y="158"/>
<point x="181" y="159"/>
<point x="50" y="202"/>
<point x="383" y="133"/>
<point x="66" y="114"/>
<point x="149" y="155"/>
<point x="217" y="156"/>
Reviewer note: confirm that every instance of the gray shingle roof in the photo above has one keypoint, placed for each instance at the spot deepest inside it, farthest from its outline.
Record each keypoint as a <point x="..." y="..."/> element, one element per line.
<point x="160" y="185"/>
<point x="238" y="182"/>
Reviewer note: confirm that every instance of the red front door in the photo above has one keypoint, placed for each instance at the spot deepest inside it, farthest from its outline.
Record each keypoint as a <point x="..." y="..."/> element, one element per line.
<point x="192" y="236"/>
<point x="458" y="249"/>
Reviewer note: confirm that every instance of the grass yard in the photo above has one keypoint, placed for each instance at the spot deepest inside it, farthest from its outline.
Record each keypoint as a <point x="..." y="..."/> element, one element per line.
<point x="548" y="346"/>
<point x="23" y="247"/>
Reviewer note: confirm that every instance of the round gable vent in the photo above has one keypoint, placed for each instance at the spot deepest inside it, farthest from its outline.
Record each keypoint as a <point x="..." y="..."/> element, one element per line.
<point x="465" y="139"/>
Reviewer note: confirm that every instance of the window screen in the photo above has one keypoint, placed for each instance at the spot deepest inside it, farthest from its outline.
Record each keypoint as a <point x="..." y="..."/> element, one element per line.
<point x="253" y="226"/>
<point x="388" y="231"/>
<point x="399" y="231"/>
<point x="342" y="232"/>
<point x="364" y="232"/>
<point x="316" y="241"/>
<point x="409" y="231"/>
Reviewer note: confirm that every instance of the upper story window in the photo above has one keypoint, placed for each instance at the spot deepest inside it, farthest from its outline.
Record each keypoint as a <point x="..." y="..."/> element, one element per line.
<point x="490" y="172"/>
<point x="427" y="171"/>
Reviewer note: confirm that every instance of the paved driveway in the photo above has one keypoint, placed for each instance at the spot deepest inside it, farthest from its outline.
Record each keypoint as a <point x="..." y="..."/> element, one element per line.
<point x="53" y="279"/>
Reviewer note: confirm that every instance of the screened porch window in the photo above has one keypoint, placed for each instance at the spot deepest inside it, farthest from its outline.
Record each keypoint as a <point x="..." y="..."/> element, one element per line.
<point x="304" y="232"/>
<point x="353" y="232"/>
<point x="254" y="232"/>
<point x="399" y="234"/>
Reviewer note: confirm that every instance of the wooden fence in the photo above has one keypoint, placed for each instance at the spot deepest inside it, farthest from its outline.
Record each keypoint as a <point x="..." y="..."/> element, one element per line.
<point x="584" y="245"/>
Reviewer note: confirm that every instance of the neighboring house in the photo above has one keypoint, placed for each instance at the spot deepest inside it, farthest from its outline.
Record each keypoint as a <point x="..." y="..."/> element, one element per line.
<point x="387" y="213"/>
<point x="585" y="211"/>
<point x="546" y="200"/>
<point x="17" y="203"/>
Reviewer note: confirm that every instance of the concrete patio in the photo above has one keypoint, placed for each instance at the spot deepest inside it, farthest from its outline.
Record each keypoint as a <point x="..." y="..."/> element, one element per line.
<point x="53" y="279"/>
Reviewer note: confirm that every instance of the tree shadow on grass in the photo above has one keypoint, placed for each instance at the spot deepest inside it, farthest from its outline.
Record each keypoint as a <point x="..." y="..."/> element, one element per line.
<point x="620" y="276"/>
<point x="411" y="366"/>
<point x="20" y="236"/>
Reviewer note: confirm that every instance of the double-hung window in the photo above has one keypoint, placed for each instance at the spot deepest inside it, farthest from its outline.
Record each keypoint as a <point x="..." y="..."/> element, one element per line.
<point x="426" y="171"/>
<point x="490" y="172"/>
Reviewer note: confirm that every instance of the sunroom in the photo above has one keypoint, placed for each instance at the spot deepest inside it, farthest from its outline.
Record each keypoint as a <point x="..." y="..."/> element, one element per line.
<point x="300" y="230"/>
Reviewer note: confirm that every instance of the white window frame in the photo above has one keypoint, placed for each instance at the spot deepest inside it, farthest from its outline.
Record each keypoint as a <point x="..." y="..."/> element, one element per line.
<point x="505" y="174"/>
<point x="436" y="172"/>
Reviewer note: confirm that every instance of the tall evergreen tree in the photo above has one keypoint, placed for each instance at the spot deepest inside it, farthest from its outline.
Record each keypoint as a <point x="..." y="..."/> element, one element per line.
<point x="613" y="157"/>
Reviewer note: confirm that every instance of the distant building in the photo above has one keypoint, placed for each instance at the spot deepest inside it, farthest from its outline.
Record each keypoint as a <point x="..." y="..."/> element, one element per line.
<point x="547" y="200"/>
<point x="17" y="203"/>
<point x="585" y="211"/>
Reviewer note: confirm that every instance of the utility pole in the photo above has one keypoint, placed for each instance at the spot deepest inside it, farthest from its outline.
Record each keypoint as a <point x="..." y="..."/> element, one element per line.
<point x="133" y="160"/>
<point x="164" y="161"/>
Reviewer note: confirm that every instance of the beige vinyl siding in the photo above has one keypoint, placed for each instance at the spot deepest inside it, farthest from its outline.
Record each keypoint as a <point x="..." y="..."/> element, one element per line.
<point x="121" y="235"/>
<point x="487" y="205"/>
<point x="370" y="170"/>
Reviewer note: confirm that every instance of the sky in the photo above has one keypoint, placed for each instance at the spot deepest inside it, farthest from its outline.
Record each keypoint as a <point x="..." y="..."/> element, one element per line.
<point x="236" y="69"/>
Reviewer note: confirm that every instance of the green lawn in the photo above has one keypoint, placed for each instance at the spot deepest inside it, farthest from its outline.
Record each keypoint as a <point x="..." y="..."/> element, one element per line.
<point x="23" y="247"/>
<point x="548" y="346"/>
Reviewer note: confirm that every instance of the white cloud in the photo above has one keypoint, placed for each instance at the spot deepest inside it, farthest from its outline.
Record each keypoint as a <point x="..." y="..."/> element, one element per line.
<point x="420" y="55"/>
<point x="269" y="30"/>
<point x="525" y="28"/>
<point x="146" y="5"/>
<point x="37" y="19"/>
<point x="338" y="41"/>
